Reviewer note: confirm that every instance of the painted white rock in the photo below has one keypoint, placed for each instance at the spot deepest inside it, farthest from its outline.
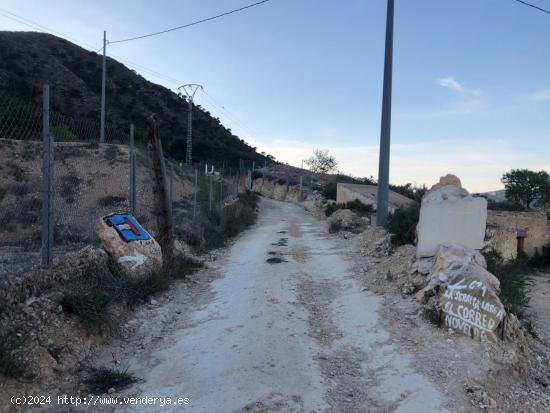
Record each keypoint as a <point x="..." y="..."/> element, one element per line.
<point x="136" y="257"/>
<point x="450" y="215"/>
<point x="471" y="307"/>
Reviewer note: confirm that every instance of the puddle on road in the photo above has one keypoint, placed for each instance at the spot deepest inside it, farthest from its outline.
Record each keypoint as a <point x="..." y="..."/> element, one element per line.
<point x="275" y="260"/>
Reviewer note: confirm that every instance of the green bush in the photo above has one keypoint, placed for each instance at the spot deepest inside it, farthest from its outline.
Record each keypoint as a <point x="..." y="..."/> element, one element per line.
<point x="62" y="133"/>
<point x="541" y="259"/>
<point x="514" y="280"/>
<point x="402" y="224"/>
<point x="356" y="206"/>
<point x="90" y="307"/>
<point x="329" y="190"/>
<point x="504" y="206"/>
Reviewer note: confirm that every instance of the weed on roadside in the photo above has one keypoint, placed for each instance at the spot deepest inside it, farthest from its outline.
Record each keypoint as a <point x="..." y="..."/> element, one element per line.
<point x="11" y="363"/>
<point x="100" y="380"/>
<point x="514" y="280"/>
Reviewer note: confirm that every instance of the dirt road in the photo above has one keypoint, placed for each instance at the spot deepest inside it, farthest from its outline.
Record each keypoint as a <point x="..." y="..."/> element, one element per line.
<point x="296" y="335"/>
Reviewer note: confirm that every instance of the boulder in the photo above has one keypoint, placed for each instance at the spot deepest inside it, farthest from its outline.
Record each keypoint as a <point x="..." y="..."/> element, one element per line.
<point x="471" y="307"/>
<point x="137" y="255"/>
<point x="453" y="261"/>
<point x="345" y="219"/>
<point x="467" y="293"/>
<point x="450" y="215"/>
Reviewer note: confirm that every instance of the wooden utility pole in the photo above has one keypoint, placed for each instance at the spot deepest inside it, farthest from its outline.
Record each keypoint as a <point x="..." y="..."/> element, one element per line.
<point x="163" y="209"/>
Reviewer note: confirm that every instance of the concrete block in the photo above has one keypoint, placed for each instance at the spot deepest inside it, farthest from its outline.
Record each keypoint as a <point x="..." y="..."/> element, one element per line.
<point x="449" y="215"/>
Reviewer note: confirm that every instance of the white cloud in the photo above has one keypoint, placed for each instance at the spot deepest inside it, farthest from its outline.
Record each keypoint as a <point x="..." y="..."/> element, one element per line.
<point x="451" y="83"/>
<point x="480" y="165"/>
<point x="540" y="95"/>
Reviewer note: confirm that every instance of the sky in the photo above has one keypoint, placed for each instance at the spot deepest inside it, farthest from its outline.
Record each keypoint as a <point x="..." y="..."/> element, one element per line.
<point x="471" y="78"/>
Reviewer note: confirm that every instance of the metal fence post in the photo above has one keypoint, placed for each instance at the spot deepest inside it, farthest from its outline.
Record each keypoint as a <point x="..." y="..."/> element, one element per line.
<point x="221" y="192"/>
<point x="210" y="195"/>
<point x="195" y="194"/>
<point x="286" y="183"/>
<point x="47" y="181"/>
<point x="132" y="172"/>
<point x="275" y="182"/>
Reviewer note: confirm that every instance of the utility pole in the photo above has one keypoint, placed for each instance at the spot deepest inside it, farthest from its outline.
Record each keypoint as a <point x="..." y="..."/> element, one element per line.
<point x="103" y="81"/>
<point x="189" y="89"/>
<point x="384" y="159"/>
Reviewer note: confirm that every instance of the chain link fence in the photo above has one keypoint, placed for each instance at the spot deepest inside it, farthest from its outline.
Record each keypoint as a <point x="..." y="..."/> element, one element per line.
<point x="56" y="178"/>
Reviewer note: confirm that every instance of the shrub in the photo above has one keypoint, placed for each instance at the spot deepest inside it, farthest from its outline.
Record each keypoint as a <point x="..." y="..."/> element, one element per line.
<point x="110" y="200"/>
<point x="182" y="266"/>
<point x="402" y="224"/>
<point x="90" y="307"/>
<point x="212" y="229"/>
<point x="504" y="206"/>
<point x="541" y="259"/>
<point x="329" y="190"/>
<point x="257" y="175"/>
<point x="334" y="226"/>
<point x="11" y="365"/>
<point x="69" y="187"/>
<point x="19" y="174"/>
<point x="359" y="208"/>
<point x="20" y="189"/>
<point x="111" y="152"/>
<point x="101" y="379"/>
<point x="102" y="285"/>
<point x="356" y="206"/>
<point x="514" y="280"/>
<point x="62" y="133"/>
<point x="139" y="290"/>
<point x="238" y="216"/>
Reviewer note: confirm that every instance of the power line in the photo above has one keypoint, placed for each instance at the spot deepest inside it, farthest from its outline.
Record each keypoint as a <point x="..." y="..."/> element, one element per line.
<point x="191" y="24"/>
<point x="533" y="6"/>
<point x="40" y="27"/>
<point x="214" y="102"/>
<point x="228" y="113"/>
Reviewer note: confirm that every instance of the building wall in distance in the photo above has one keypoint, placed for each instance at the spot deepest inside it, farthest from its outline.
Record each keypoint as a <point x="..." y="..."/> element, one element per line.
<point x="367" y="195"/>
<point x="503" y="227"/>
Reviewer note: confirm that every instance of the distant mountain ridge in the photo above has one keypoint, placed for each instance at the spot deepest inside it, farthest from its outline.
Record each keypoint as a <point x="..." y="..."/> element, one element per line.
<point x="30" y="59"/>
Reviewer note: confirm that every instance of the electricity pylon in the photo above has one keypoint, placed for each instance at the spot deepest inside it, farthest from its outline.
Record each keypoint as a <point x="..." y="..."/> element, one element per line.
<point x="189" y="89"/>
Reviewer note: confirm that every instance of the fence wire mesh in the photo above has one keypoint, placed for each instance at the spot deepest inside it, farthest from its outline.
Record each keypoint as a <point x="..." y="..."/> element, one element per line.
<point x="91" y="180"/>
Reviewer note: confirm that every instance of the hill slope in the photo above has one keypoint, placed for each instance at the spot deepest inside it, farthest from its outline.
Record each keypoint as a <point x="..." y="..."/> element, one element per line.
<point x="29" y="59"/>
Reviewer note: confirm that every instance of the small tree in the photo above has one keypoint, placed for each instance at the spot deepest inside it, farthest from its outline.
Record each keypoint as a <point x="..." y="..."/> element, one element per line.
<point x="321" y="162"/>
<point x="524" y="186"/>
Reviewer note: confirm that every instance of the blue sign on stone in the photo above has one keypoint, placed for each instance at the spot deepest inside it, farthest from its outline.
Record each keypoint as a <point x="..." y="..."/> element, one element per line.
<point x="127" y="227"/>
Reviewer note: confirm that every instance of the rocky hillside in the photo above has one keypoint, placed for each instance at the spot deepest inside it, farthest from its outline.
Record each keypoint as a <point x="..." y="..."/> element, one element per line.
<point x="30" y="59"/>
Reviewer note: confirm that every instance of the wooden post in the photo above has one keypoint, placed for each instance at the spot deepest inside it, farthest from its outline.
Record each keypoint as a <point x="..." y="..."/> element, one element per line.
<point x="163" y="209"/>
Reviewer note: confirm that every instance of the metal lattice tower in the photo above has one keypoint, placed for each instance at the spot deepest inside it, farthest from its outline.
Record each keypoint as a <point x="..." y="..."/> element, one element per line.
<point x="189" y="89"/>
